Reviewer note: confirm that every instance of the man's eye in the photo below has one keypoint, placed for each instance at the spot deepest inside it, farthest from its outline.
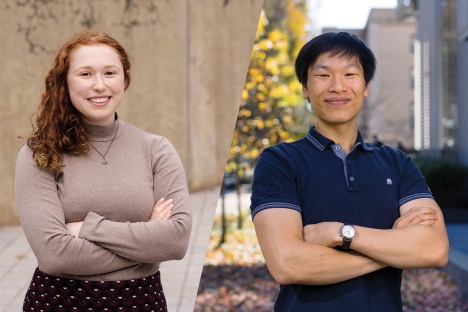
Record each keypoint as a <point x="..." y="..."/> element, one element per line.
<point x="350" y="74"/>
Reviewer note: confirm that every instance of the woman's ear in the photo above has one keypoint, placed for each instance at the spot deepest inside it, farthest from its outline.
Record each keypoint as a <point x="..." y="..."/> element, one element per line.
<point x="127" y="79"/>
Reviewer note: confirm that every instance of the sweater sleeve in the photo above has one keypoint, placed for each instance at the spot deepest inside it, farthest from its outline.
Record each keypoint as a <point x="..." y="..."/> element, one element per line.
<point x="156" y="241"/>
<point x="43" y="221"/>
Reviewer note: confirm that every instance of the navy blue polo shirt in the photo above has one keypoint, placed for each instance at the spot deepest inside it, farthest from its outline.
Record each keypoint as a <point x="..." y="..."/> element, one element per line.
<point x="365" y="187"/>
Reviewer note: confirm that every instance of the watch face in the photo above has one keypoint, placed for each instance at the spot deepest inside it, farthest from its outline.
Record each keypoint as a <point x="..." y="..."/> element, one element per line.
<point x="348" y="231"/>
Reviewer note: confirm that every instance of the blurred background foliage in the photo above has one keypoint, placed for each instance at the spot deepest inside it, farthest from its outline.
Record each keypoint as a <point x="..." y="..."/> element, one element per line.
<point x="272" y="109"/>
<point x="447" y="179"/>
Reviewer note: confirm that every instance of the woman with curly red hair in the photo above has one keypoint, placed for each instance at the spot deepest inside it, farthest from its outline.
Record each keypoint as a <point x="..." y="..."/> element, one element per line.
<point x="90" y="189"/>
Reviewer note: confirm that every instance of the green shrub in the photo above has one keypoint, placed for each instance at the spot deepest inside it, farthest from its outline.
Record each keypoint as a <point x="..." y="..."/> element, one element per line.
<point x="448" y="180"/>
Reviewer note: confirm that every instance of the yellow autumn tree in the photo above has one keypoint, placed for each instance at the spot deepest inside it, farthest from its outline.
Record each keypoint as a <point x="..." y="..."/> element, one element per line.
<point x="272" y="108"/>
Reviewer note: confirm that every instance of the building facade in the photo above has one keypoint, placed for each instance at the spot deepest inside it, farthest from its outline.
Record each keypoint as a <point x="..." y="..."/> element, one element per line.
<point x="438" y="58"/>
<point x="462" y="77"/>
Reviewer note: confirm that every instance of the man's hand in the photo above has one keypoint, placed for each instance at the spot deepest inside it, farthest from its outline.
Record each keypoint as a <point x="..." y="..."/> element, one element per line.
<point x="291" y="260"/>
<point x="162" y="210"/>
<point x="416" y="215"/>
<point x="325" y="234"/>
<point x="418" y="239"/>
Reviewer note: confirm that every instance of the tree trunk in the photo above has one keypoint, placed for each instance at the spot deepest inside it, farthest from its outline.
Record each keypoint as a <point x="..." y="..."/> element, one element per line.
<point x="222" y="239"/>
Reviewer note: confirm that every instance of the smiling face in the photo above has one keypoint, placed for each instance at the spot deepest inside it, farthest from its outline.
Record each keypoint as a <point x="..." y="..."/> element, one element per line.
<point x="336" y="89"/>
<point x="96" y="83"/>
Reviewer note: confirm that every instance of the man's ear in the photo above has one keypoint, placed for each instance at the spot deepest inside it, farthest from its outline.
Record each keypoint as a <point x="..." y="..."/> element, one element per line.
<point x="305" y="92"/>
<point x="366" y="90"/>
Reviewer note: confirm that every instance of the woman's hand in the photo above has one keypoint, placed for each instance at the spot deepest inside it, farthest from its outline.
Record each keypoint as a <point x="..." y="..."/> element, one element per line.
<point x="162" y="210"/>
<point x="74" y="227"/>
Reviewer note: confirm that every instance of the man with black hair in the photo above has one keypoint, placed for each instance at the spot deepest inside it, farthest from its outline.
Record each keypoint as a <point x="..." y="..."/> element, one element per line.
<point x="338" y="219"/>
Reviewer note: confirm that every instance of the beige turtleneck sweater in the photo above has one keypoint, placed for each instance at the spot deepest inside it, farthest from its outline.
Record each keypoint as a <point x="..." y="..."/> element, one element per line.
<point x="114" y="200"/>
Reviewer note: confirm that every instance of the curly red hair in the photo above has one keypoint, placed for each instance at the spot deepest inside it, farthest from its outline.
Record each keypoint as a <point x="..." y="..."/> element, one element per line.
<point x="59" y="126"/>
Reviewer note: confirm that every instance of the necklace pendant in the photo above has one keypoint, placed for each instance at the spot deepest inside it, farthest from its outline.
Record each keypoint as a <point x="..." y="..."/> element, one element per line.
<point x="104" y="161"/>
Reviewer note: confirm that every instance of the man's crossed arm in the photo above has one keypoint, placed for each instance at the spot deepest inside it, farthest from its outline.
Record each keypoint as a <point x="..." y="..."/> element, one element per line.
<point x="297" y="255"/>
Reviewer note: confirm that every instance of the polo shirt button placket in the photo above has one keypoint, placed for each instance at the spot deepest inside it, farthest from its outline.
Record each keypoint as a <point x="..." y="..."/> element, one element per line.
<point x="352" y="182"/>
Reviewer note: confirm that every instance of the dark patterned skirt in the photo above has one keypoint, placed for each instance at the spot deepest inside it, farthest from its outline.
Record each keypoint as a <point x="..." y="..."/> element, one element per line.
<point x="50" y="293"/>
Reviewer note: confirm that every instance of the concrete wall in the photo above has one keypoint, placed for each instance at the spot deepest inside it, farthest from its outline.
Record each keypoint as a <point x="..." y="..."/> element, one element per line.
<point x="189" y="63"/>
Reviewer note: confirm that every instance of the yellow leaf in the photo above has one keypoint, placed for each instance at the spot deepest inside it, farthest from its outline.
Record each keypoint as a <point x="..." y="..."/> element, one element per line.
<point x="245" y="94"/>
<point x="260" y="124"/>
<point x="287" y="70"/>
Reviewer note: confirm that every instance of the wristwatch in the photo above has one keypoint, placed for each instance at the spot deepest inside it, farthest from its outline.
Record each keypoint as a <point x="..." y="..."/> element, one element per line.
<point x="348" y="232"/>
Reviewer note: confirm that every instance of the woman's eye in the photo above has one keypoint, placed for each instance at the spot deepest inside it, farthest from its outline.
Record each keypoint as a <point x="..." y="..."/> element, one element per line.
<point x="85" y="74"/>
<point x="109" y="73"/>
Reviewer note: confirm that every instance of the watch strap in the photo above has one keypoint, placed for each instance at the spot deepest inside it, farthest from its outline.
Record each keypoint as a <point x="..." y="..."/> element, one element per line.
<point x="346" y="243"/>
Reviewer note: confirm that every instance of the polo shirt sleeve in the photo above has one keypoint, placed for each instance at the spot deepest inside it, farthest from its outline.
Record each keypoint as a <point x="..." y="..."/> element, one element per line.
<point x="274" y="184"/>
<point x="412" y="184"/>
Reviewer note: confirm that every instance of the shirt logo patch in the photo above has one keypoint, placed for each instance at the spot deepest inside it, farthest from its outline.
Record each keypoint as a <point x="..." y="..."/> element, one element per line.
<point x="389" y="181"/>
<point x="271" y="183"/>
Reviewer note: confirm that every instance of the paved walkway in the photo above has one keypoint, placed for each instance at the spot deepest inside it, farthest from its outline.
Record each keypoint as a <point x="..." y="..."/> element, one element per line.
<point x="180" y="279"/>
<point x="458" y="255"/>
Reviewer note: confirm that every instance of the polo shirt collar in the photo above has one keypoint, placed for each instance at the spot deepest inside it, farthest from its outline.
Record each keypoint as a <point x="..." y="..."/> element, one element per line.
<point x="320" y="142"/>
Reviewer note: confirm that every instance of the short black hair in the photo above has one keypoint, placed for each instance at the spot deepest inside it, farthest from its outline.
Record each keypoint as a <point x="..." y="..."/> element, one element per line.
<point x="336" y="43"/>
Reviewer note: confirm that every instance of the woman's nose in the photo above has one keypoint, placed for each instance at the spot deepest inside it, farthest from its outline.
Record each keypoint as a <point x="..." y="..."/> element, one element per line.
<point x="99" y="84"/>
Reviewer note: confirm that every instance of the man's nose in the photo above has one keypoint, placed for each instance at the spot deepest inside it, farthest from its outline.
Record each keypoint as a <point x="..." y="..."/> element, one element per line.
<point x="337" y="84"/>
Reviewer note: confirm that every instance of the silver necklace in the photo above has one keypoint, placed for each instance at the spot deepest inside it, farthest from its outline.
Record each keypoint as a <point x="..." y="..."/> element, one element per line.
<point x="103" y="160"/>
